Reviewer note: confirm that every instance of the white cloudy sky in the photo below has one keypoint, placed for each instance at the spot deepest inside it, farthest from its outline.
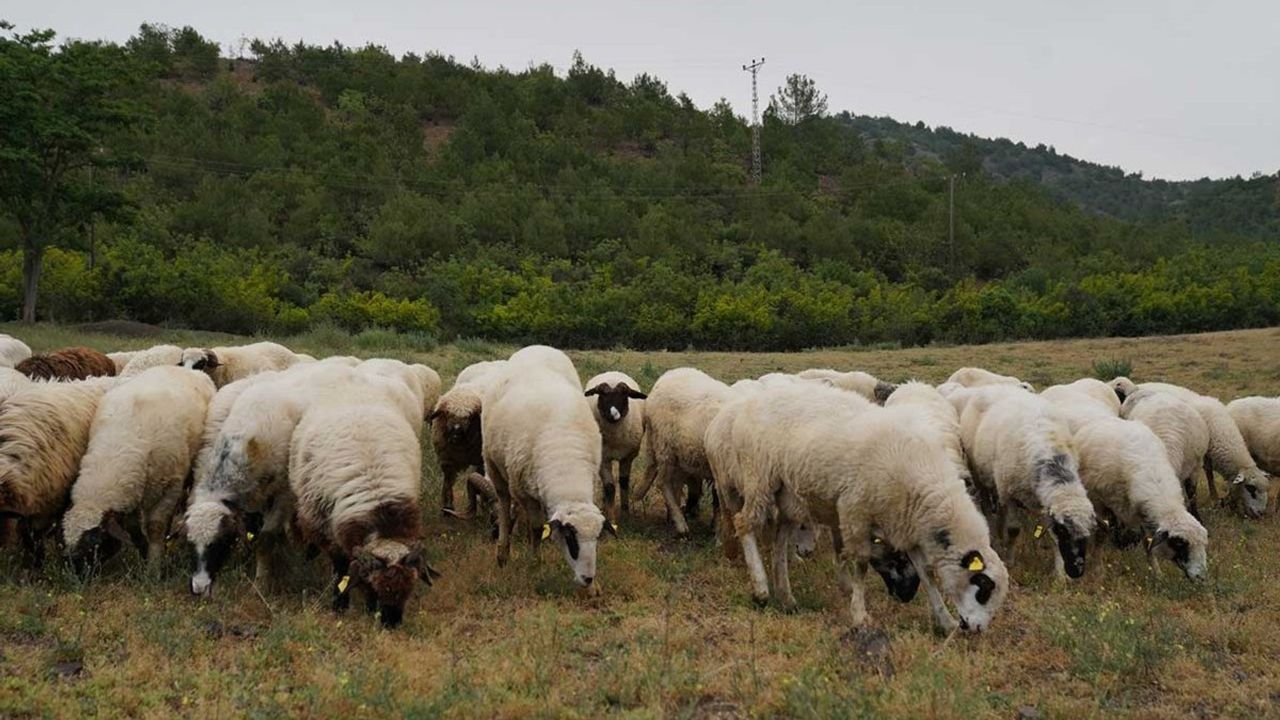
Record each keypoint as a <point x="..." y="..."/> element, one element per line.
<point x="1172" y="88"/>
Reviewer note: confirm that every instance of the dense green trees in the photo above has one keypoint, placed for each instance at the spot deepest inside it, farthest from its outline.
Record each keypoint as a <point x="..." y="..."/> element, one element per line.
<point x="346" y="186"/>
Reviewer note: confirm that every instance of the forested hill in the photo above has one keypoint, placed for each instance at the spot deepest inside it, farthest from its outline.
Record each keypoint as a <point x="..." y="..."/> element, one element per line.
<point x="1231" y="205"/>
<point x="309" y="185"/>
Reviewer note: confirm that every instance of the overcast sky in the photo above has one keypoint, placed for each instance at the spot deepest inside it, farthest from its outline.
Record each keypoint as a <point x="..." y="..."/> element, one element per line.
<point x="1172" y="88"/>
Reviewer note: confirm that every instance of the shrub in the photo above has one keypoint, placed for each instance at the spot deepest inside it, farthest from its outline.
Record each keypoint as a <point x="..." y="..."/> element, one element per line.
<point x="357" y="311"/>
<point x="1112" y="368"/>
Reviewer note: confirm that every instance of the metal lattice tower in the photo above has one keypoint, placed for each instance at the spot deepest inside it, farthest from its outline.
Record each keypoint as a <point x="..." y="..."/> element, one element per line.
<point x="754" y="69"/>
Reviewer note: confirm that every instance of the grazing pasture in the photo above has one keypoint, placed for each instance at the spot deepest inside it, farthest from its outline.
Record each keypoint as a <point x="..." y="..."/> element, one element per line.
<point x="673" y="632"/>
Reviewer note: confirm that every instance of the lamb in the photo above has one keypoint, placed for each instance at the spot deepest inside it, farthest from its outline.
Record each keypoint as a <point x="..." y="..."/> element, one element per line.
<point x="228" y="364"/>
<point x="73" y="363"/>
<point x="1181" y="430"/>
<point x="542" y="451"/>
<point x="864" y="471"/>
<point x="1127" y="473"/>
<point x="455" y="431"/>
<point x="978" y="377"/>
<point x="355" y="465"/>
<point x="12" y="351"/>
<point x="141" y="444"/>
<point x="864" y="384"/>
<point x="617" y="404"/>
<point x="680" y="406"/>
<point x="1021" y="453"/>
<point x="1258" y="419"/>
<point x="1228" y="452"/>
<point x="144" y="360"/>
<point x="44" y="429"/>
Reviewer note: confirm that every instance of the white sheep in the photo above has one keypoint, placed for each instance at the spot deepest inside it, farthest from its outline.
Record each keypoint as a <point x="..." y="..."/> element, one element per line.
<point x="11" y="381"/>
<point x="617" y="404"/>
<point x="421" y="382"/>
<point x="12" y="351"/>
<point x="549" y="358"/>
<point x="355" y="466"/>
<point x="864" y="384"/>
<point x="978" y="377"/>
<point x="121" y="359"/>
<point x="144" y="436"/>
<point x="44" y="429"/>
<point x="1181" y="430"/>
<point x="455" y="431"/>
<point x="1228" y="452"/>
<point x="680" y="406"/>
<point x="790" y="452"/>
<point x="1127" y="473"/>
<point x="938" y="411"/>
<point x="1258" y="419"/>
<point x="144" y="360"/>
<point x="542" y="453"/>
<point x="1023" y="460"/>
<point x="1083" y="401"/>
<point x="228" y="364"/>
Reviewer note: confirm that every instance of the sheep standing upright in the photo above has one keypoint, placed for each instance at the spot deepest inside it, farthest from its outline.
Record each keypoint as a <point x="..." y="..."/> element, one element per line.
<point x="617" y="403"/>
<point x="455" y="431"/>
<point x="12" y="351"/>
<point x="1181" y="430"/>
<point x="1228" y="452"/>
<point x="680" y="406"/>
<point x="144" y="436"/>
<point x="355" y="466"/>
<point x="542" y="454"/>
<point x="73" y="363"/>
<point x="228" y="364"/>
<point x="866" y="472"/>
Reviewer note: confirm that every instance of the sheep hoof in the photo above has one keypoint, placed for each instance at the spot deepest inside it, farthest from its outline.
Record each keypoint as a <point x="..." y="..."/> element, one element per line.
<point x="788" y="606"/>
<point x="760" y="601"/>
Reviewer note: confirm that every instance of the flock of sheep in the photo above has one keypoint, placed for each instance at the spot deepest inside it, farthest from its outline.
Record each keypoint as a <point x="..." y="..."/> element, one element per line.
<point x="920" y="483"/>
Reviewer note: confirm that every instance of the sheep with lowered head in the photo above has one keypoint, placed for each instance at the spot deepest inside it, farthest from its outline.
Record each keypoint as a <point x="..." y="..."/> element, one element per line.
<point x="228" y="364"/>
<point x="144" y="360"/>
<point x="144" y="436"/>
<point x="455" y="431"/>
<point x="617" y="404"/>
<point x="978" y="377"/>
<point x="1228" y="452"/>
<point x="12" y="351"/>
<point x="1258" y="419"/>
<point x="1181" y="430"/>
<point x="864" y="384"/>
<point x="937" y="410"/>
<point x="542" y="454"/>
<point x="73" y="363"/>
<point x="866" y="472"/>
<point x="355" y="467"/>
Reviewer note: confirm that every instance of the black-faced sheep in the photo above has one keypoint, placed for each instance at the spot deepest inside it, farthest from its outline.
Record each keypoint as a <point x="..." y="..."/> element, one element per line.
<point x="455" y="432"/>
<point x="617" y="403"/>
<point x="228" y="364"/>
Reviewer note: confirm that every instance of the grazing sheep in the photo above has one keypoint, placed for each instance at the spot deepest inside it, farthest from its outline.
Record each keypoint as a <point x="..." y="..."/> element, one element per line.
<point x="1127" y="473"/>
<point x="228" y="364"/>
<point x="455" y="431"/>
<point x="141" y="444"/>
<point x="348" y="360"/>
<point x="938" y="411"/>
<point x="617" y="403"/>
<point x="1181" y="430"/>
<point x="1020" y="450"/>
<point x="864" y="471"/>
<point x="74" y="363"/>
<point x="978" y="377"/>
<point x="12" y="351"/>
<point x="1228" y="452"/>
<point x="144" y="360"/>
<point x="680" y="406"/>
<point x="864" y="384"/>
<point x="44" y="429"/>
<point x="1083" y="401"/>
<point x="355" y="466"/>
<point x="1258" y="419"/>
<point x="422" y="383"/>
<point x="542" y="453"/>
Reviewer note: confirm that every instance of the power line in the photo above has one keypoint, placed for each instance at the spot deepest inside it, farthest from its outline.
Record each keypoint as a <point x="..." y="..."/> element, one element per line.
<point x="754" y="69"/>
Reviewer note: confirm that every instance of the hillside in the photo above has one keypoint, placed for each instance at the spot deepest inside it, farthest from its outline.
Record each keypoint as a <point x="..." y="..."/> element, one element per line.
<point x="1249" y="207"/>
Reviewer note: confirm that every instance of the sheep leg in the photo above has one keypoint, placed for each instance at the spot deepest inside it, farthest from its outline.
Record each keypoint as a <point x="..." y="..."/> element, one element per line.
<point x="1208" y="476"/>
<point x="781" y="572"/>
<point x="534" y="518"/>
<point x="668" y="481"/>
<point x="341" y="593"/>
<point x="158" y="521"/>
<point x="609" y="488"/>
<point x="448" y="476"/>
<point x="32" y="544"/>
<point x="842" y="572"/>
<point x="503" y="494"/>
<point x="941" y="615"/>
<point x="755" y="565"/>
<point x="692" y="497"/>
<point x="624" y="484"/>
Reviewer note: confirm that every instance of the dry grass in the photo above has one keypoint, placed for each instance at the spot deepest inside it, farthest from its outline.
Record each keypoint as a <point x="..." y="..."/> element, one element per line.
<point x="674" y="633"/>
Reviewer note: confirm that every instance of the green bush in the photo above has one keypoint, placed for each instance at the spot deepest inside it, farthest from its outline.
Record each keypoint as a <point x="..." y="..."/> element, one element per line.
<point x="356" y="311"/>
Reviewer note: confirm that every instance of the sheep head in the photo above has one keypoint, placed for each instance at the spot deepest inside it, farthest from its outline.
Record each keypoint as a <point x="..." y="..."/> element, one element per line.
<point x="900" y="576"/>
<point x="613" y="401"/>
<point x="1185" y="543"/>
<point x="576" y="528"/>
<point x="976" y="581"/>
<point x="388" y="571"/>
<point x="212" y="528"/>
<point x="1249" y="491"/>
<point x="199" y="359"/>
<point x="97" y="544"/>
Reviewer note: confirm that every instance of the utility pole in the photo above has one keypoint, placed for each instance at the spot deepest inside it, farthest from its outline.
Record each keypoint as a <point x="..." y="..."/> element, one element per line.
<point x="754" y="69"/>
<point x="951" y="220"/>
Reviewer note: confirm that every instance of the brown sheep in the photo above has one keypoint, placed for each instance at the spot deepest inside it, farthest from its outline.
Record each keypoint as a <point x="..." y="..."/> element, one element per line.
<point x="73" y="363"/>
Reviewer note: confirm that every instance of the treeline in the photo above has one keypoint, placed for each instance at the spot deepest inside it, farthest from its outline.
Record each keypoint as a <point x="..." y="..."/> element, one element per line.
<point x="345" y="186"/>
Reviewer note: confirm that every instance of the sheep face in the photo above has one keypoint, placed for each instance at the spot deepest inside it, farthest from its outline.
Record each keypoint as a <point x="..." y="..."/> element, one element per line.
<point x="212" y="529"/>
<point x="1123" y="387"/>
<point x="612" y="401"/>
<point x="1072" y="541"/>
<point x="883" y="390"/>
<point x="1186" y="549"/>
<point x="461" y="431"/>
<point x="1249" y="488"/>
<point x="389" y="570"/>
<point x="97" y="544"/>
<point x="199" y="359"/>
<point x="577" y="533"/>
<point x="977" y="584"/>
<point x="900" y="576"/>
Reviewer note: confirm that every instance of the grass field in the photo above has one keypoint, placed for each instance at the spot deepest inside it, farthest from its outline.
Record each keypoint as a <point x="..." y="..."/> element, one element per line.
<point x="674" y="633"/>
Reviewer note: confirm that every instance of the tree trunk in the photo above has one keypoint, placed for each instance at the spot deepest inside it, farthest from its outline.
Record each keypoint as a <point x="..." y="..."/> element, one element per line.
<point x="32" y="263"/>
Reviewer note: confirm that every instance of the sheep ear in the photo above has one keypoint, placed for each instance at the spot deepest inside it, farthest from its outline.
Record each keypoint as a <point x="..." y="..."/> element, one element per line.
<point x="972" y="561"/>
<point x="211" y="359"/>
<point x="636" y="395"/>
<point x="570" y="535"/>
<point x="593" y="391"/>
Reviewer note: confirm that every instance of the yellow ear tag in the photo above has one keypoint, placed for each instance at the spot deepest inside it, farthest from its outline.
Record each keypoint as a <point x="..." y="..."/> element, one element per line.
<point x="546" y="531"/>
<point x="343" y="583"/>
<point x="877" y="541"/>
<point x="248" y="536"/>
<point x="1039" y="530"/>
<point x="976" y="565"/>
<point x="614" y="526"/>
